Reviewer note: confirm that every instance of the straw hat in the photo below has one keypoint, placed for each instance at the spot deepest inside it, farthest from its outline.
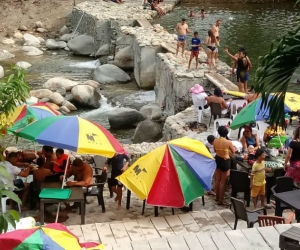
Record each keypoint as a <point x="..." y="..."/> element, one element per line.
<point x="197" y="89"/>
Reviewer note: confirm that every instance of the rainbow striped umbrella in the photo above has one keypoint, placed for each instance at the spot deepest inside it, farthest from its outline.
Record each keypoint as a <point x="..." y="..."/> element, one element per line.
<point x="72" y="133"/>
<point x="26" y="114"/>
<point x="172" y="175"/>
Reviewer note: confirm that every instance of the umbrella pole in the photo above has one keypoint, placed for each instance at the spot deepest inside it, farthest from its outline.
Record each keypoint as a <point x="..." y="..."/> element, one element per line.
<point x="62" y="186"/>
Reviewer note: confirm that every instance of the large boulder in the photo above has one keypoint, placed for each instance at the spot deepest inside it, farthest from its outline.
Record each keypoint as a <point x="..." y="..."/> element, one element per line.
<point x="31" y="40"/>
<point x="148" y="131"/>
<point x="124" y="118"/>
<point x="86" y="95"/>
<point x="58" y="82"/>
<point x="109" y="73"/>
<point x="52" y="44"/>
<point x="93" y="84"/>
<point x="82" y="45"/>
<point x="124" y="58"/>
<point x="41" y="93"/>
<point x="150" y="109"/>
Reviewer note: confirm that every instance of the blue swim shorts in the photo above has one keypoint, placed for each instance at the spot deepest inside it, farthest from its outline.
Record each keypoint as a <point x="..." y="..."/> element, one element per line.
<point x="181" y="38"/>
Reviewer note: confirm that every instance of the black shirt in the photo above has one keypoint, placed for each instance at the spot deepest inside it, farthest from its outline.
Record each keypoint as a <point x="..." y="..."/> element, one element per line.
<point x="295" y="145"/>
<point x="117" y="163"/>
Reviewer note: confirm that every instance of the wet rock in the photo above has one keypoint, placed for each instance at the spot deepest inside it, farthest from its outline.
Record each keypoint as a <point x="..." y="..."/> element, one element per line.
<point x="24" y="65"/>
<point x="64" y="30"/>
<point x="86" y="96"/>
<point x="108" y="73"/>
<point x="124" y="118"/>
<point x="58" y="82"/>
<point x="18" y="35"/>
<point x="103" y="50"/>
<point x="1" y="72"/>
<point x="52" y="44"/>
<point x="124" y="58"/>
<point x="31" y="40"/>
<point x="41" y="30"/>
<point x="41" y="93"/>
<point x="57" y="98"/>
<point x="32" y="51"/>
<point x="22" y="28"/>
<point x="6" y="55"/>
<point x="150" y="109"/>
<point x="147" y="131"/>
<point x="82" y="45"/>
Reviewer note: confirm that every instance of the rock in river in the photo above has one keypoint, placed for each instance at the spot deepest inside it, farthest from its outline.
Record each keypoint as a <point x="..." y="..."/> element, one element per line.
<point x="82" y="45"/>
<point x="86" y="95"/>
<point x="58" y="82"/>
<point x="148" y="131"/>
<point x="109" y="73"/>
<point x="124" y="118"/>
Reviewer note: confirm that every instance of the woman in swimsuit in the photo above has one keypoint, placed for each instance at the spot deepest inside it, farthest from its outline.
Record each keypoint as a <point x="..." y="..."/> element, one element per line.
<point x="243" y="67"/>
<point x="210" y="42"/>
<point x="249" y="139"/>
<point x="222" y="147"/>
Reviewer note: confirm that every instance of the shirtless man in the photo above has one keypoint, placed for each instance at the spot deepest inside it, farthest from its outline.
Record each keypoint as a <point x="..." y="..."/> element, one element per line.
<point x="181" y="28"/>
<point x="215" y="28"/>
<point x="48" y="153"/>
<point x="83" y="176"/>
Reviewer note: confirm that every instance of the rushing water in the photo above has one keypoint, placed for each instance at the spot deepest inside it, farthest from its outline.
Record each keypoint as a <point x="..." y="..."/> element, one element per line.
<point x="253" y="26"/>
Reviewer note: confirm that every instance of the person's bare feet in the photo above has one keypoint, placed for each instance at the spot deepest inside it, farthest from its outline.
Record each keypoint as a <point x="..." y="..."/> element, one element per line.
<point x="119" y="207"/>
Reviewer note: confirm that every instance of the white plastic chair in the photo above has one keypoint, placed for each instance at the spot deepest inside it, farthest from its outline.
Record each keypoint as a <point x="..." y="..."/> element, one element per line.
<point x="221" y="122"/>
<point x="3" y="203"/>
<point x="199" y="101"/>
<point x="261" y="126"/>
<point x="237" y="104"/>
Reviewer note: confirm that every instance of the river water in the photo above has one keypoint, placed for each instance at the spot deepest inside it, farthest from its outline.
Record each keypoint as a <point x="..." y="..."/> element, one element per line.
<point x="249" y="25"/>
<point x="253" y="26"/>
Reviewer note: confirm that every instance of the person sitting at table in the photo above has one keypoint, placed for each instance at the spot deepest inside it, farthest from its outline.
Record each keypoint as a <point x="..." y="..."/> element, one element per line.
<point x="83" y="176"/>
<point x="222" y="148"/>
<point x="218" y="98"/>
<point x="272" y="131"/>
<point x="293" y="157"/>
<point x="49" y="155"/>
<point x="60" y="163"/>
<point x="249" y="138"/>
<point x="39" y="176"/>
<point x="13" y="172"/>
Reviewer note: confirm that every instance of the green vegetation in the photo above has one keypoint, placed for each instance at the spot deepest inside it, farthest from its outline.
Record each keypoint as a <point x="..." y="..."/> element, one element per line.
<point x="13" y="91"/>
<point x="276" y="69"/>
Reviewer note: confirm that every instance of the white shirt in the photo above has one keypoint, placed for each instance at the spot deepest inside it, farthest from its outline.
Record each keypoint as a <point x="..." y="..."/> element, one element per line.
<point x="12" y="171"/>
<point x="210" y="148"/>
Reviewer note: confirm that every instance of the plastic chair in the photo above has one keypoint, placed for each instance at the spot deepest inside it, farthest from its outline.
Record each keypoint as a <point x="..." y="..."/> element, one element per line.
<point x="261" y="126"/>
<point x="97" y="189"/>
<point x="241" y="213"/>
<point x="271" y="181"/>
<point x="240" y="182"/>
<point x="267" y="220"/>
<point x="235" y="104"/>
<point x="199" y="102"/>
<point x="283" y="184"/>
<point x="215" y="110"/>
<point x="3" y="203"/>
<point x="221" y="122"/>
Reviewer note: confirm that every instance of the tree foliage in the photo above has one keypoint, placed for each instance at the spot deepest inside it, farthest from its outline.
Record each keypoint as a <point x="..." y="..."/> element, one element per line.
<point x="275" y="71"/>
<point x="13" y="91"/>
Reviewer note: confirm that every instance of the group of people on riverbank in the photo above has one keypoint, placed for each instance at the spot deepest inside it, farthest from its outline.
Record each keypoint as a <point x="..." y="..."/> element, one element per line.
<point x="241" y="64"/>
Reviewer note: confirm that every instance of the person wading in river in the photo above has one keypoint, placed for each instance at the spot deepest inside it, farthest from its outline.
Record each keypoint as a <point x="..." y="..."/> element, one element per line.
<point x="182" y="29"/>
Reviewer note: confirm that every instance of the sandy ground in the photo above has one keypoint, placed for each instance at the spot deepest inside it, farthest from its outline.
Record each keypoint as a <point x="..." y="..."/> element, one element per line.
<point x="13" y="13"/>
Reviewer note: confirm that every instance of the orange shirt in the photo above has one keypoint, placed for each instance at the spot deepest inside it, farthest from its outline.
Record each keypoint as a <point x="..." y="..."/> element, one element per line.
<point x="62" y="161"/>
